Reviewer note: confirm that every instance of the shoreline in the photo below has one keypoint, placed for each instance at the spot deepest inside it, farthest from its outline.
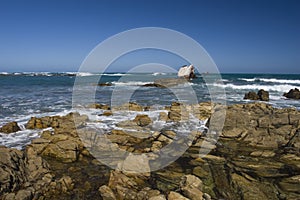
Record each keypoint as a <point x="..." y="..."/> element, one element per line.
<point x="255" y="156"/>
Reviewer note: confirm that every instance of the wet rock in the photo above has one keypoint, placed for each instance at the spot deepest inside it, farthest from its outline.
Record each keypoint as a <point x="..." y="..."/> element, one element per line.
<point x="10" y="127"/>
<point x="99" y="106"/>
<point x="131" y="106"/>
<point x="251" y="96"/>
<point x="105" y="84"/>
<point x="142" y="120"/>
<point x="70" y="121"/>
<point x="293" y="94"/>
<point x="163" y="116"/>
<point x="261" y="95"/>
<point x="170" y="82"/>
<point x="154" y="85"/>
<point x="107" y="113"/>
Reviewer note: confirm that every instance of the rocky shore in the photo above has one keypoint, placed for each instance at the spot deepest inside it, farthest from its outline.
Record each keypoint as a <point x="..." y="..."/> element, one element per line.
<point x="255" y="156"/>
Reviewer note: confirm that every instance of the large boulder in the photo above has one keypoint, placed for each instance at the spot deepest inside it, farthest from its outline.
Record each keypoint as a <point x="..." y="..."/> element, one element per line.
<point x="293" y="94"/>
<point x="187" y="72"/>
<point x="261" y="95"/>
<point x="10" y="127"/>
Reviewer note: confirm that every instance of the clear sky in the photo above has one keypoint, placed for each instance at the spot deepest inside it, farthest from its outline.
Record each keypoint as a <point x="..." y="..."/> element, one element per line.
<point x="256" y="36"/>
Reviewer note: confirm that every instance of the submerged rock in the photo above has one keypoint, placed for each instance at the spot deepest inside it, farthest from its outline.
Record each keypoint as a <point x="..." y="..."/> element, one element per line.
<point x="293" y="94"/>
<point x="10" y="127"/>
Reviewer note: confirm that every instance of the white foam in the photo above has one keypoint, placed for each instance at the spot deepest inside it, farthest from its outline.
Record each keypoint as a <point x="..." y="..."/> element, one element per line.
<point x="277" y="88"/>
<point x="158" y="73"/>
<point x="271" y="80"/>
<point x="85" y="74"/>
<point x="117" y="74"/>
<point x="248" y="79"/>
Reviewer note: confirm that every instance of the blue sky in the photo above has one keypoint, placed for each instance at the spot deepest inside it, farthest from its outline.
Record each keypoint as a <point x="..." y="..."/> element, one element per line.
<point x="241" y="36"/>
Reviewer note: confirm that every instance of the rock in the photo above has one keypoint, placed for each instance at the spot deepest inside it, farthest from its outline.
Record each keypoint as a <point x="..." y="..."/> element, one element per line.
<point x="186" y="72"/>
<point x="176" y="196"/>
<point x="159" y="197"/>
<point x="248" y="189"/>
<point x="66" y="184"/>
<point x="251" y="96"/>
<point x="163" y="116"/>
<point x="291" y="184"/>
<point x="134" y="164"/>
<point x="24" y="195"/>
<point x="106" y="193"/>
<point x="170" y="82"/>
<point x="10" y="127"/>
<point x="18" y="169"/>
<point x="263" y="95"/>
<point x="154" y="85"/>
<point x="191" y="187"/>
<point x="99" y="106"/>
<point x="107" y="113"/>
<point x="131" y="106"/>
<point x="105" y="84"/>
<point x="68" y="122"/>
<point x="293" y="94"/>
<point x="142" y="120"/>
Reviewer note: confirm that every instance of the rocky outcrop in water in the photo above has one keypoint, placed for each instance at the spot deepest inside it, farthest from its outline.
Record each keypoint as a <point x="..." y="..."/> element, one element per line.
<point x="255" y="156"/>
<point x="293" y="94"/>
<point x="10" y="127"/>
<point x="261" y="95"/>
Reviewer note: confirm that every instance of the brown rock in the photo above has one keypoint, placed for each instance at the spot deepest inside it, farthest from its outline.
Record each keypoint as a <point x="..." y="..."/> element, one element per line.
<point x="191" y="187"/>
<point x="176" y="196"/>
<point x="251" y="96"/>
<point x="106" y="193"/>
<point x="142" y="120"/>
<point x="263" y="95"/>
<point x="293" y="94"/>
<point x="10" y="127"/>
<point x="291" y="184"/>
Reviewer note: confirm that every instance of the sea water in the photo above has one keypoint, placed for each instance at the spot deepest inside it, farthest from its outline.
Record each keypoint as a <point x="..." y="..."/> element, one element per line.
<point x="24" y="95"/>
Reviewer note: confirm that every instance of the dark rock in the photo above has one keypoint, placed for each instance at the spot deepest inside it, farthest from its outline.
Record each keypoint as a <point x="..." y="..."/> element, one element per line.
<point x="263" y="95"/>
<point x="293" y="94"/>
<point x="154" y="85"/>
<point x="251" y="96"/>
<point x="104" y="84"/>
<point x="10" y="127"/>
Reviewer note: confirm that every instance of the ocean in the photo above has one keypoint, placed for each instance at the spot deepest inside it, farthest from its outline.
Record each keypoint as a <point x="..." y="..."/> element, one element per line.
<point x="24" y="95"/>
